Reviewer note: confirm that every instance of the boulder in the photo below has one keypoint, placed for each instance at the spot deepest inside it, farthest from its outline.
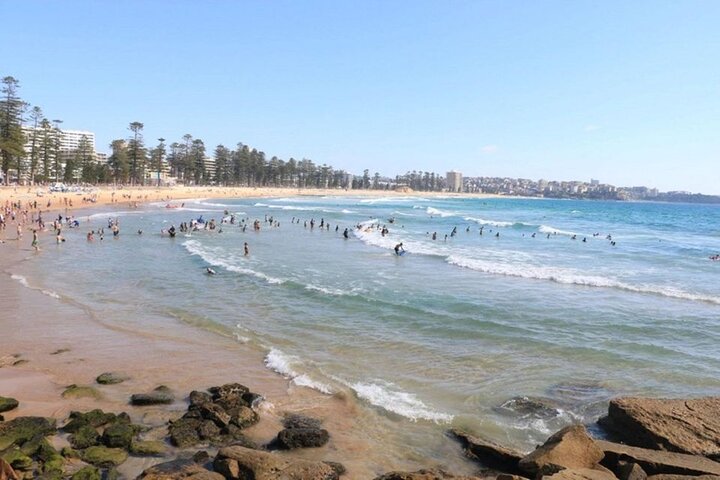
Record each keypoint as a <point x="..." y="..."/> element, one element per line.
<point x="571" y="447"/>
<point x="17" y="459"/>
<point x="215" y="413"/>
<point x="228" y="389"/>
<point x="489" y="453"/>
<point x="159" y="396"/>
<point x="657" y="462"/>
<point x="81" y="391"/>
<point x="111" y="378"/>
<point x="146" y="448"/>
<point x="292" y="438"/>
<point x="240" y="463"/>
<point x="184" y="432"/>
<point x="294" y="420"/>
<point x="534" y="407"/>
<point x="7" y="472"/>
<point x="22" y="429"/>
<point x="7" y="404"/>
<point x="423" y="475"/>
<point x="580" y="474"/>
<point x="84" y="437"/>
<point x="118" y="435"/>
<point x="629" y="471"/>
<point x="683" y="477"/>
<point x="199" y="398"/>
<point x="94" y="418"/>
<point x="103" y="456"/>
<point x="87" y="473"/>
<point x="685" y="426"/>
<point x="179" y="469"/>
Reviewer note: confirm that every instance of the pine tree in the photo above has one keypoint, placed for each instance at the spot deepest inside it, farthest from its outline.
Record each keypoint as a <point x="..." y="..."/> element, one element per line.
<point x="11" y="137"/>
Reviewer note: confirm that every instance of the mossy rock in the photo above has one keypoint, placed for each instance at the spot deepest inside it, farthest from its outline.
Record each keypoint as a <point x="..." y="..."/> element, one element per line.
<point x="22" y="429"/>
<point x="111" y="378"/>
<point x="148" y="448"/>
<point x="87" y="473"/>
<point x="111" y="474"/>
<point x="7" y="404"/>
<point x="161" y="395"/>
<point x="17" y="459"/>
<point x="94" y="418"/>
<point x="86" y="436"/>
<point x="69" y="452"/>
<point x="118" y="434"/>
<point x="81" y="391"/>
<point x="103" y="456"/>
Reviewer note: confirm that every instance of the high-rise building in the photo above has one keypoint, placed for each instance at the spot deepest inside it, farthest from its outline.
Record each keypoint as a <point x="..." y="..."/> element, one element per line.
<point x="454" y="181"/>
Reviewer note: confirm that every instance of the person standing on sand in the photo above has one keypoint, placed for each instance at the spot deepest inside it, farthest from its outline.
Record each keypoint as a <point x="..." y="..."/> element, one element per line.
<point x="35" y="242"/>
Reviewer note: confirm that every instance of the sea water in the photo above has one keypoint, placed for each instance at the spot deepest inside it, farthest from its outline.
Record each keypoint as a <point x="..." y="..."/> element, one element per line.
<point x="533" y="324"/>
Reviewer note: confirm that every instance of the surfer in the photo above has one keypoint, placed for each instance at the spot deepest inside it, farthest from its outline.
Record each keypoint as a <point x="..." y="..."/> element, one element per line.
<point x="399" y="250"/>
<point x="210" y="271"/>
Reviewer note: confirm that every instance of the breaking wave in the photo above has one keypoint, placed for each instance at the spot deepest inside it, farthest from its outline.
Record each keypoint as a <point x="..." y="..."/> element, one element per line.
<point x="282" y="363"/>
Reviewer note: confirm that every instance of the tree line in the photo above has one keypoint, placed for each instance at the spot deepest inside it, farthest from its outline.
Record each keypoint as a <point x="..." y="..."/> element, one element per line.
<point x="30" y="149"/>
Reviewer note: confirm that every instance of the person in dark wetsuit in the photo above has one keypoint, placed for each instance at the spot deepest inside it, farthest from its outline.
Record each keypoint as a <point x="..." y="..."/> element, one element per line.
<point x="345" y="234"/>
<point x="171" y="231"/>
<point x="399" y="250"/>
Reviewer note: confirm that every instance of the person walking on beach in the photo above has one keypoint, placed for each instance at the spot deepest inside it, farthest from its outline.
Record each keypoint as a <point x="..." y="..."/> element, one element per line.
<point x="35" y="243"/>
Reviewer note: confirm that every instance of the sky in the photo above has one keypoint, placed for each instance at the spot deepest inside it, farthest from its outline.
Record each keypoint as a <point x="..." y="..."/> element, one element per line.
<point x="627" y="92"/>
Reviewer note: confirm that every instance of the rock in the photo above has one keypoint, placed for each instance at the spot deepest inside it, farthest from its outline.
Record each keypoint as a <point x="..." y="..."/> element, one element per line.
<point x="94" y="418"/>
<point x="199" y="398"/>
<point x="118" y="435"/>
<point x="17" y="459"/>
<point x="571" y="447"/>
<point x="488" y="453"/>
<point x="228" y="389"/>
<point x="179" y="469"/>
<point x="208" y="430"/>
<point x="7" y="404"/>
<point x="84" y="437"/>
<point x="160" y="396"/>
<point x="111" y="378"/>
<point x="683" y="477"/>
<point x="580" y="474"/>
<point x="657" y="462"/>
<point x="508" y="476"/>
<point x="7" y="472"/>
<point x="68" y="452"/>
<point x="103" y="456"/>
<point x="215" y="413"/>
<point x="87" y="473"/>
<point x="423" y="475"/>
<point x="685" y="426"/>
<point x="529" y="407"/>
<point x="630" y="471"/>
<point x="60" y="350"/>
<point x="294" y="420"/>
<point x="291" y="438"/>
<point x="252" y="399"/>
<point x="81" y="391"/>
<point x="338" y="467"/>
<point x="244" y="417"/>
<point x="240" y="463"/>
<point x="183" y="432"/>
<point x="22" y="429"/>
<point x="148" y="448"/>
<point x="52" y="461"/>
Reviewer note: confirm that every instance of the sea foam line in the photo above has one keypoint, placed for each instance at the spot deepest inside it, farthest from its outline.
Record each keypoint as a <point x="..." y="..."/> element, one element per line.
<point x="569" y="277"/>
<point x="22" y="280"/>
<point x="282" y="363"/>
<point x="195" y="248"/>
<point x="399" y="402"/>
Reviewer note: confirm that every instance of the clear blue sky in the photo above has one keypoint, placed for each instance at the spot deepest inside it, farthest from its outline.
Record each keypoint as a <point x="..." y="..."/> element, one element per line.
<point x="624" y="91"/>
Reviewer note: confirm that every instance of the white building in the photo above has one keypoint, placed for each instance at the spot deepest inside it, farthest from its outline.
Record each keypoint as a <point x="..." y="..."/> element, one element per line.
<point x="454" y="181"/>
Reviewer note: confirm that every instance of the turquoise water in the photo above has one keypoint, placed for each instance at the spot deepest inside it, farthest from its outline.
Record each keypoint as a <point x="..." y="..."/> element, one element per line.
<point x="450" y="332"/>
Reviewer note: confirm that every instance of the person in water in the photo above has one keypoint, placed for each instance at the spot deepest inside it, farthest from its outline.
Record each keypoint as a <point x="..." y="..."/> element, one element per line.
<point x="246" y="249"/>
<point x="399" y="249"/>
<point x="345" y="233"/>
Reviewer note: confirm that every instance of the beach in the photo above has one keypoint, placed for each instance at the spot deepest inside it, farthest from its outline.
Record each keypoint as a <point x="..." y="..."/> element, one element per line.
<point x="463" y="332"/>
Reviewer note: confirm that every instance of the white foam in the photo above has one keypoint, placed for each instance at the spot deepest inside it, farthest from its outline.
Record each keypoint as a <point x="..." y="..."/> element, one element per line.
<point x="281" y="363"/>
<point x="493" y="223"/>
<point x="555" y="231"/>
<point x="22" y="280"/>
<point x="440" y="213"/>
<point x="194" y="247"/>
<point x="52" y="294"/>
<point x="571" y="277"/>
<point x="328" y="291"/>
<point x="399" y="402"/>
<point x="113" y="214"/>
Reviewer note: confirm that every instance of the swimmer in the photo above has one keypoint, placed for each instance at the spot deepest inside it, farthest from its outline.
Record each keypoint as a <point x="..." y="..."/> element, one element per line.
<point x="246" y="248"/>
<point x="345" y="234"/>
<point x="210" y="271"/>
<point x="399" y="250"/>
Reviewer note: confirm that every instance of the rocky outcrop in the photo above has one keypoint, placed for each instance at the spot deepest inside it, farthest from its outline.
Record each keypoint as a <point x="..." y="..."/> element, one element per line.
<point x="216" y="417"/>
<point x="570" y="448"/>
<point x="7" y="472"/>
<point x="81" y="391"/>
<point x="7" y="404"/>
<point x="423" y="475"/>
<point x="179" y="469"/>
<point x="240" y="463"/>
<point x="488" y="453"/>
<point x="161" y="395"/>
<point x="685" y="426"/>
<point x="580" y="474"/>
<point x="300" y="432"/>
<point x="23" y="429"/>
<point x="657" y="462"/>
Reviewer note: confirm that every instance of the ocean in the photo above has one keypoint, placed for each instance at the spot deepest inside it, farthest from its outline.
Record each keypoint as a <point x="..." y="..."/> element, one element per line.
<point x="513" y="333"/>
